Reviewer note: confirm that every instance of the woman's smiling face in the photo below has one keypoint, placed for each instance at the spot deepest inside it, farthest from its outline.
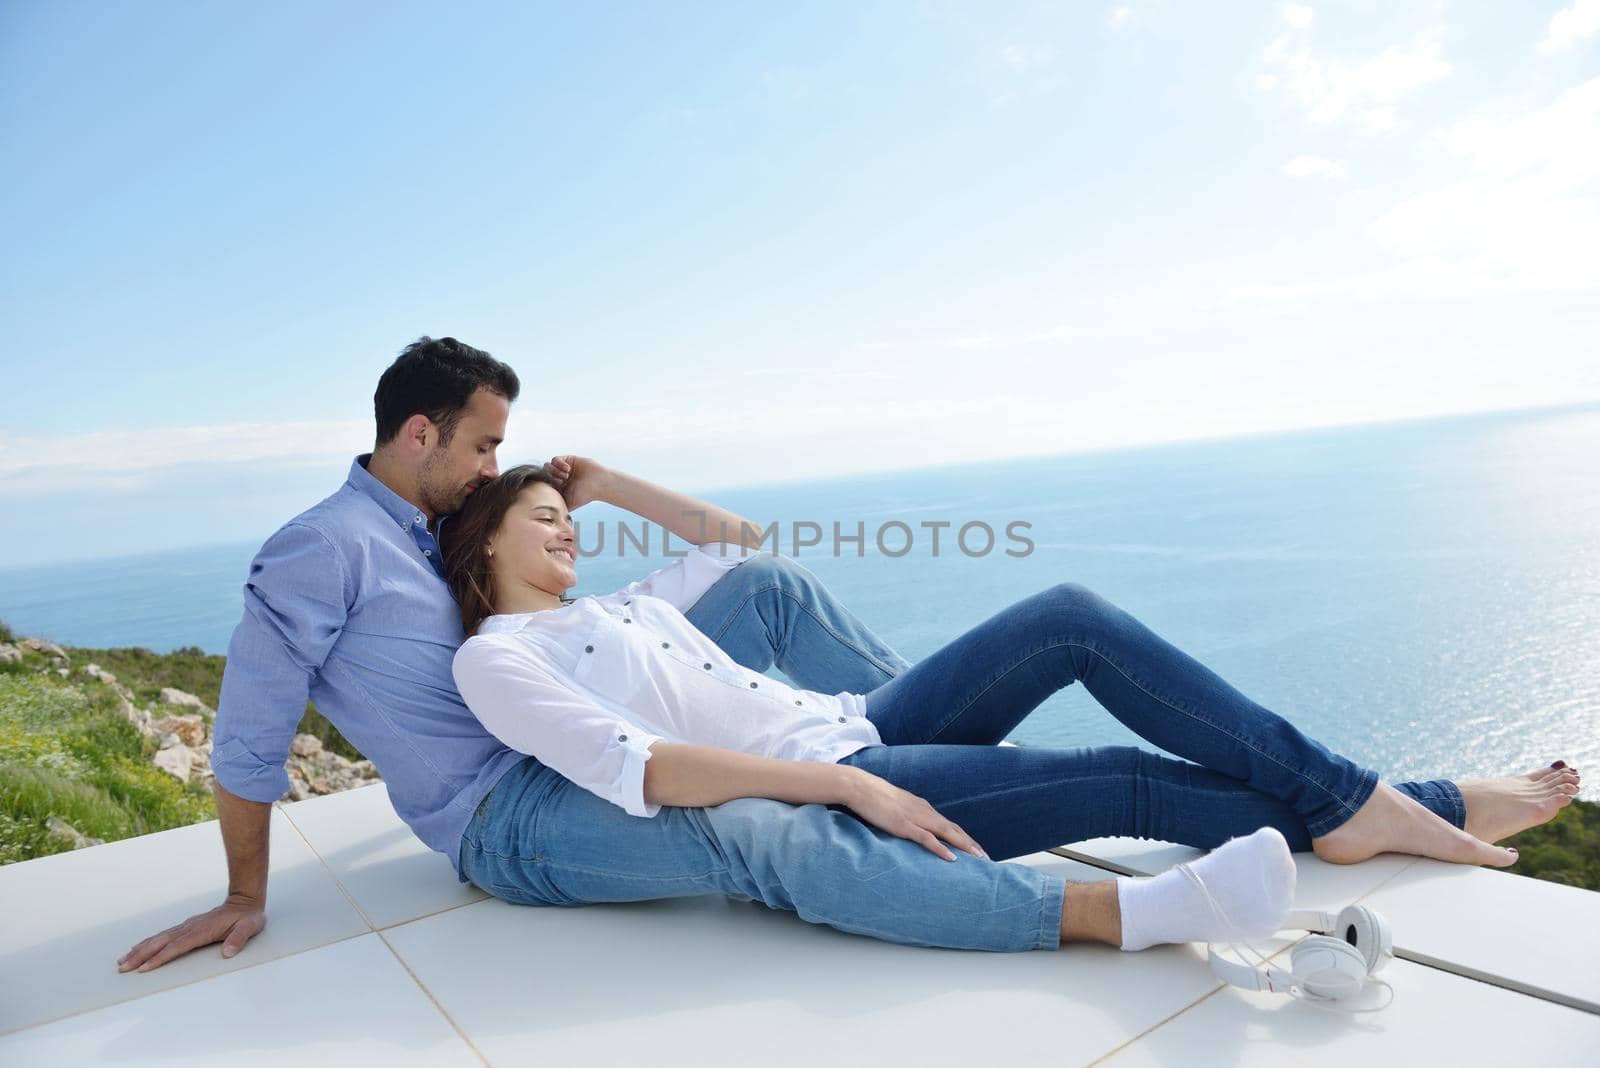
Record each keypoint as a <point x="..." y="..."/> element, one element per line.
<point x="535" y="545"/>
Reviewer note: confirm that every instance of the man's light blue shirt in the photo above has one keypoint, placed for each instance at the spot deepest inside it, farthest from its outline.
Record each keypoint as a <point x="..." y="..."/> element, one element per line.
<point x="347" y="605"/>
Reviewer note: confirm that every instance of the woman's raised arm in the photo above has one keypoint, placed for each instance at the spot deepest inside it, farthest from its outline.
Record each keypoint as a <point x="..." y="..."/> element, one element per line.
<point x="697" y="522"/>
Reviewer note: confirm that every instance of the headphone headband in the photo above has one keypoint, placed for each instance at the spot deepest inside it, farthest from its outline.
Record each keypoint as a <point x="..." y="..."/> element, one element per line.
<point x="1310" y="920"/>
<point x="1272" y="978"/>
<point x="1324" y="968"/>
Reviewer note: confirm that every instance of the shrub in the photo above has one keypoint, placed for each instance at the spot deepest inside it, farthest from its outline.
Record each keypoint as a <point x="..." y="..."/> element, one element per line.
<point x="66" y="755"/>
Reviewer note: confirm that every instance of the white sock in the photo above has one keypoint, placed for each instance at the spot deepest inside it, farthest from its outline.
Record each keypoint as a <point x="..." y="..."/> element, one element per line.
<point x="1252" y="878"/>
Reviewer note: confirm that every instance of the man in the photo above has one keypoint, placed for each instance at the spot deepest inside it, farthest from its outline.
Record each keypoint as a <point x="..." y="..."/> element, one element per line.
<point x="346" y="604"/>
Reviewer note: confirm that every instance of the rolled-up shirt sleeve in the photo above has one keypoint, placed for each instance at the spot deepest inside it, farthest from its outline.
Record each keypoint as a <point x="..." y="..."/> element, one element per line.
<point x="684" y="581"/>
<point x="532" y="710"/>
<point x="296" y="601"/>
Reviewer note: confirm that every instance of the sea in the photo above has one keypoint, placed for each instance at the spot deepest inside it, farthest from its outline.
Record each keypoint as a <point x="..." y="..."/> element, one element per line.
<point x="1423" y="597"/>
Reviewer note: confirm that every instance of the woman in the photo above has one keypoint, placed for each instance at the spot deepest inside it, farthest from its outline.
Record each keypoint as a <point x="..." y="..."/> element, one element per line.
<point x="657" y="738"/>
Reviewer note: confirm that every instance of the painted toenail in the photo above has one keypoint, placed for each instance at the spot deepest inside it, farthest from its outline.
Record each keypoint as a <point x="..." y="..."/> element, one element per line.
<point x="1559" y="764"/>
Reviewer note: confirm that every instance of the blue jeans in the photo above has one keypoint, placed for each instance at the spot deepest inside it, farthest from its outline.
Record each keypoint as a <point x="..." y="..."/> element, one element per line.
<point x="538" y="839"/>
<point x="941" y="721"/>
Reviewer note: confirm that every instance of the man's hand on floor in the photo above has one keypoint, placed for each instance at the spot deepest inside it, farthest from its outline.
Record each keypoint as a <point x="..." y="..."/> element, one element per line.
<point x="233" y="923"/>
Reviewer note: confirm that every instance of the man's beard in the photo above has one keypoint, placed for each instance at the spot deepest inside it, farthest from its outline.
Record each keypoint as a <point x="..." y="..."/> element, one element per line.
<point x="440" y="497"/>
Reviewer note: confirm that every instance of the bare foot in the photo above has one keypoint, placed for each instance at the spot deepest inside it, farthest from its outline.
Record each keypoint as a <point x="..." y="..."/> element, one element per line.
<point x="1392" y="822"/>
<point x="1499" y="808"/>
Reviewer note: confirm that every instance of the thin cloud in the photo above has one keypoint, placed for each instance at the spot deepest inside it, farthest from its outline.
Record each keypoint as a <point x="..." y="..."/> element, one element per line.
<point x="632" y="435"/>
<point x="1314" y="167"/>
<point x="42" y="460"/>
<point x="821" y="373"/>
<point x="1363" y="94"/>
<point x="1022" y="57"/>
<point x="1298" y="16"/>
<point x="977" y="341"/>
<point x="1523" y="216"/>
<point x="1571" y="25"/>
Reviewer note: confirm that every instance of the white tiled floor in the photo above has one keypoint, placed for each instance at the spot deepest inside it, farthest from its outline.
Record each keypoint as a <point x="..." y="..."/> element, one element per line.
<point x="350" y="1002"/>
<point x="1436" y="1018"/>
<point x="388" y="872"/>
<point x="1526" y="934"/>
<point x="723" y="977"/>
<point x="65" y="919"/>
<point x="455" y="977"/>
<point x="1537" y="936"/>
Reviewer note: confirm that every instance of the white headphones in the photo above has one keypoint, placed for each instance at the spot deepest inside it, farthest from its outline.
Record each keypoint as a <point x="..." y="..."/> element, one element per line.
<point x="1324" y="968"/>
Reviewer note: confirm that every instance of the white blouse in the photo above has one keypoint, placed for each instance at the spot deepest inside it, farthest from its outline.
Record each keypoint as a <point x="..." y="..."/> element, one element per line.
<point x="587" y="688"/>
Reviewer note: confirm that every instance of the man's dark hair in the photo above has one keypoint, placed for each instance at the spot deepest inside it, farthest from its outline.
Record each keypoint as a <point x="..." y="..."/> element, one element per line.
<point x="437" y="377"/>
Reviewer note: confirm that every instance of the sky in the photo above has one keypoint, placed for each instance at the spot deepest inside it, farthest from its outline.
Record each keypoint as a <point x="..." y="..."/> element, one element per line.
<point x="732" y="245"/>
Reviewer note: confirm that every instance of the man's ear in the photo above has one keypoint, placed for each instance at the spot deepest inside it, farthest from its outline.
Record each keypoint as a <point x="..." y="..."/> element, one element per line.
<point x="419" y="431"/>
<point x="488" y="548"/>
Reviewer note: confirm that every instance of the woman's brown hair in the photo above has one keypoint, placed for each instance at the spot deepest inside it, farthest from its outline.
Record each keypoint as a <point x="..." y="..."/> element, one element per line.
<point x="466" y="564"/>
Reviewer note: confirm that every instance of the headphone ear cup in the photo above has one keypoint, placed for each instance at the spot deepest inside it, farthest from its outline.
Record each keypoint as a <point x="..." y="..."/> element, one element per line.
<point x="1366" y="929"/>
<point x="1328" y="967"/>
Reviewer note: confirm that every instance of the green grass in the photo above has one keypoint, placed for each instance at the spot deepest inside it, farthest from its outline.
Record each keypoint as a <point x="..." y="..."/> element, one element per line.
<point x="65" y="751"/>
<point x="145" y="673"/>
<point x="68" y="754"/>
<point x="197" y="672"/>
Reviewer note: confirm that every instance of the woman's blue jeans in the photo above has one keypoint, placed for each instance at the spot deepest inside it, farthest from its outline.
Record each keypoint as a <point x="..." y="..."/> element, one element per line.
<point x="539" y="839"/>
<point x="941" y="721"/>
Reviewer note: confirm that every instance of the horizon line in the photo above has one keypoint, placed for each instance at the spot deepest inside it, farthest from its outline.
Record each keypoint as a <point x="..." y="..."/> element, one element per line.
<point x="1107" y="450"/>
<point x="1165" y="443"/>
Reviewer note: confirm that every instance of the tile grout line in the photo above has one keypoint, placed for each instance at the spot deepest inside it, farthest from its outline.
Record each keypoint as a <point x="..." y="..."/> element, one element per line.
<point x="336" y="881"/>
<point x="207" y="978"/>
<point x="257" y="964"/>
<point x="1096" y="862"/>
<point x="1207" y="996"/>
<point x="451" y="1020"/>
<point x="1412" y="956"/>
<point x="362" y="912"/>
<point x="182" y="985"/>
<point x="389" y="945"/>
<point x="1122" y="869"/>
<point x="436" y="912"/>
<point x="1114" y="1050"/>
<point x="1466" y="971"/>
<point x="369" y="922"/>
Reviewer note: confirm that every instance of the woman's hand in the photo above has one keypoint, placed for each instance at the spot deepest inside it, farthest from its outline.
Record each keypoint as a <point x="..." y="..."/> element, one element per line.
<point x="905" y="815"/>
<point x="578" y="478"/>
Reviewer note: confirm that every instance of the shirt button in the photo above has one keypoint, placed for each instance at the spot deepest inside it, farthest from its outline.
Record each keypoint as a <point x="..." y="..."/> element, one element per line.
<point x="841" y="719"/>
<point x="706" y="666"/>
<point x="626" y="603"/>
<point x="627" y="621"/>
<point x="797" y="703"/>
<point x="418" y="519"/>
<point x="588" y="648"/>
<point x="427" y="552"/>
<point x="622" y="737"/>
<point x="752" y="685"/>
<point x="664" y="645"/>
